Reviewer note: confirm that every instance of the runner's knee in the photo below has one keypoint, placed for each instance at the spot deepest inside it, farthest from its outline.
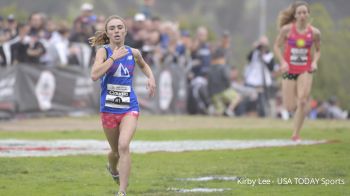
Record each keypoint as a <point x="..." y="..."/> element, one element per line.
<point x="114" y="153"/>
<point x="302" y="102"/>
<point x="290" y="107"/>
<point x="123" y="147"/>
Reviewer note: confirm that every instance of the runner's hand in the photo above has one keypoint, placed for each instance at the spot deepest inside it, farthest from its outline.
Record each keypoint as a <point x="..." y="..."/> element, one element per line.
<point x="151" y="86"/>
<point x="119" y="53"/>
<point x="313" y="67"/>
<point x="284" y="67"/>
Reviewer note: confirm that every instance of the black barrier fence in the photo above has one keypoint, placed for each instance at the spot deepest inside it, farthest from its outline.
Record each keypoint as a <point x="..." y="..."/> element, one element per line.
<point x="35" y="90"/>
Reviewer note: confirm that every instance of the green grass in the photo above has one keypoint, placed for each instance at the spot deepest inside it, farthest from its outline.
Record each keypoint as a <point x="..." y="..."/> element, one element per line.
<point x="154" y="173"/>
<point x="196" y="134"/>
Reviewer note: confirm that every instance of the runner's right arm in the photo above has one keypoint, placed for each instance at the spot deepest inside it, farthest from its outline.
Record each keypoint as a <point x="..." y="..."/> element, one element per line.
<point x="102" y="64"/>
<point x="281" y="37"/>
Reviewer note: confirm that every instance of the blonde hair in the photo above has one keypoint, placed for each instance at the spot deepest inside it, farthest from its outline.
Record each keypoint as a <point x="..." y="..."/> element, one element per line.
<point x="101" y="37"/>
<point x="287" y="16"/>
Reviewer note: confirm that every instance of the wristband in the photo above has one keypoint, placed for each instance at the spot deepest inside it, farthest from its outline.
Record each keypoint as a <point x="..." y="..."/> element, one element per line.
<point x="112" y="58"/>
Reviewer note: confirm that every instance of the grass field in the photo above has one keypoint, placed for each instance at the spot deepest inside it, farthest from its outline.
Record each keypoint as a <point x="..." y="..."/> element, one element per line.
<point x="156" y="173"/>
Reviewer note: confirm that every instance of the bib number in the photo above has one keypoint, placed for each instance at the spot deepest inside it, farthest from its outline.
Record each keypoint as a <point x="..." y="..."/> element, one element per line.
<point x="299" y="56"/>
<point x="118" y="96"/>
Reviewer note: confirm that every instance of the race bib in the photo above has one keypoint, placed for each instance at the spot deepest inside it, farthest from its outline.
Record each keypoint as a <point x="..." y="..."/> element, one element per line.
<point x="298" y="56"/>
<point x="118" y="96"/>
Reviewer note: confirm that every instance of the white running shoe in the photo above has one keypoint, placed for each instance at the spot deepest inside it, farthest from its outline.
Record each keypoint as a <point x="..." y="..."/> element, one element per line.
<point x="120" y="193"/>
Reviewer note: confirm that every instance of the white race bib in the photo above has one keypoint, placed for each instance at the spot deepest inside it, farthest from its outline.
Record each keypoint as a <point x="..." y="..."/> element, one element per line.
<point x="298" y="56"/>
<point x="118" y="96"/>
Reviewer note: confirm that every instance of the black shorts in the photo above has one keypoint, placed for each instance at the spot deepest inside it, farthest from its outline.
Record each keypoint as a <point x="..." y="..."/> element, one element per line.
<point x="291" y="76"/>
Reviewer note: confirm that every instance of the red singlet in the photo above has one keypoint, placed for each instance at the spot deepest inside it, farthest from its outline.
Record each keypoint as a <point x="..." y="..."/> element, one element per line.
<point x="297" y="51"/>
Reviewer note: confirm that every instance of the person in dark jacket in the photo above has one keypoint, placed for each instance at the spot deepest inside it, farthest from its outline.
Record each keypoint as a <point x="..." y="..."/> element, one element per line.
<point x="219" y="85"/>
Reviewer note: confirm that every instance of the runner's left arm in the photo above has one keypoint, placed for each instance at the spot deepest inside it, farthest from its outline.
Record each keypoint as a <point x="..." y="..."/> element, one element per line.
<point x="151" y="84"/>
<point x="317" y="45"/>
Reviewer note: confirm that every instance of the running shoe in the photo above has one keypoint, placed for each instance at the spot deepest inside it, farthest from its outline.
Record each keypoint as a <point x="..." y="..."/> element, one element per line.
<point x="120" y="193"/>
<point x="296" y="138"/>
<point x="114" y="176"/>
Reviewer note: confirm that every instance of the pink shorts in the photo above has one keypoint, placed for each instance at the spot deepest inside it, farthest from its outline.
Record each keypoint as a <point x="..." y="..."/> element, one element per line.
<point x="110" y="120"/>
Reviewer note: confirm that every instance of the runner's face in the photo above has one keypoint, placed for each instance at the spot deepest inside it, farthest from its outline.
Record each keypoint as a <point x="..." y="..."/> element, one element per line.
<point x="116" y="31"/>
<point x="301" y="13"/>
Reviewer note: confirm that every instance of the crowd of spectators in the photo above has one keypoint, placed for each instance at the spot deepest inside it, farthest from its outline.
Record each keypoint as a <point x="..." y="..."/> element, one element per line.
<point x="42" y="40"/>
<point x="215" y="84"/>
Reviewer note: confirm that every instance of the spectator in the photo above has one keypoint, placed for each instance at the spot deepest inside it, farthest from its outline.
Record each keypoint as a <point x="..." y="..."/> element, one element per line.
<point x="156" y="23"/>
<point x="138" y="32"/>
<point x="50" y="40"/>
<point x="3" y="38"/>
<point x="28" y="49"/>
<point x="99" y="26"/>
<point x="225" y="44"/>
<point x="12" y="26"/>
<point x="86" y="15"/>
<point x="19" y="48"/>
<point x="60" y="48"/>
<point x="170" y="55"/>
<point x="8" y="31"/>
<point x="83" y="26"/>
<point x="201" y="55"/>
<point x="37" y="24"/>
<point x="35" y="49"/>
<point x="198" y="99"/>
<point x="258" y="74"/>
<point x="183" y="50"/>
<point x="334" y="111"/>
<point x="81" y="33"/>
<point x="313" y="109"/>
<point x="219" y="85"/>
<point x="129" y="39"/>
<point x="146" y="8"/>
<point x="151" y="47"/>
<point x="248" y="94"/>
